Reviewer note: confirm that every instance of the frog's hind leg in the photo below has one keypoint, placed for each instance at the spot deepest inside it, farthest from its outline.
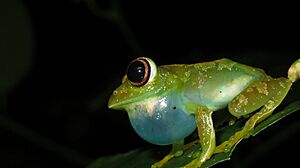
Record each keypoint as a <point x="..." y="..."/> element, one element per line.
<point x="267" y="95"/>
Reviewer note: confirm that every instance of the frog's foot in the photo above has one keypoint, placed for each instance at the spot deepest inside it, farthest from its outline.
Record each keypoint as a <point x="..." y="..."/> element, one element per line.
<point x="227" y="145"/>
<point x="268" y="94"/>
<point x="196" y="163"/>
<point x="163" y="161"/>
<point x="167" y="158"/>
<point x="177" y="150"/>
<point x="206" y="138"/>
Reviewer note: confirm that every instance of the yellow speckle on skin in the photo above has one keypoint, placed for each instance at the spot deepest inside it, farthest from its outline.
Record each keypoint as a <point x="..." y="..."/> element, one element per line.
<point x="226" y="65"/>
<point x="194" y="83"/>
<point x="205" y="67"/>
<point x="243" y="100"/>
<point x="240" y="102"/>
<point x="282" y="84"/>
<point x="123" y="90"/>
<point x="279" y="93"/>
<point x="262" y="88"/>
<point x="187" y="74"/>
<point x="269" y="104"/>
<point x="250" y="89"/>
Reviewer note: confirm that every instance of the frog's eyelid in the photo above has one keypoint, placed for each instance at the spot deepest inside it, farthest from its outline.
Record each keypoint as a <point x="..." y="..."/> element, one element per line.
<point x="153" y="69"/>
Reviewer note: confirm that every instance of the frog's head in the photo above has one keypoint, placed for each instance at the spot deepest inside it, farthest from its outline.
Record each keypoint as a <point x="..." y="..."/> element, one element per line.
<point x="142" y="80"/>
<point x="150" y="97"/>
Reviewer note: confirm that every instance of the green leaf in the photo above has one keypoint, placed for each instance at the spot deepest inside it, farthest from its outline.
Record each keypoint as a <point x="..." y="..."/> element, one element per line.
<point x="145" y="157"/>
<point x="276" y="117"/>
<point x="135" y="158"/>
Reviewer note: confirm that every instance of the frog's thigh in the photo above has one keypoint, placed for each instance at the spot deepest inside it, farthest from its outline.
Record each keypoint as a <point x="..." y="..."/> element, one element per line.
<point x="270" y="92"/>
<point x="258" y="94"/>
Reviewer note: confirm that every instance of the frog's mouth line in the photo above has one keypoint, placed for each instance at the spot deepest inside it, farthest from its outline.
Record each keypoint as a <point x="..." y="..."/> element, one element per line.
<point x="113" y="103"/>
<point x="120" y="105"/>
<point x="116" y="104"/>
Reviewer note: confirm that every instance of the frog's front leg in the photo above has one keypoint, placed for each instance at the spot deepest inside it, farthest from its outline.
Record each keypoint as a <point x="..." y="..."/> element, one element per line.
<point x="267" y="94"/>
<point x="206" y="135"/>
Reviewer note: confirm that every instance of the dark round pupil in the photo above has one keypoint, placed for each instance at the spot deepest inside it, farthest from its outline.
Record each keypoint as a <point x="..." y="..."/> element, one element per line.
<point x="136" y="71"/>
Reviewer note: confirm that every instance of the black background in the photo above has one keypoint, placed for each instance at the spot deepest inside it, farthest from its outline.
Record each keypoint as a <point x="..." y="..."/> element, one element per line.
<point x="79" y="58"/>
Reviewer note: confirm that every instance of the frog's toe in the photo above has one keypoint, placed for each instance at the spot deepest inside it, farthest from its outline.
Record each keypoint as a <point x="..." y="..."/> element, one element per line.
<point x="224" y="147"/>
<point x="156" y="165"/>
<point x="160" y="163"/>
<point x="166" y="159"/>
<point x="227" y="145"/>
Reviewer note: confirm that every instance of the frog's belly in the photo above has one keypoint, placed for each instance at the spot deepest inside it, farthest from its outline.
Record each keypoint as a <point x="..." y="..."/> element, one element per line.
<point x="216" y="93"/>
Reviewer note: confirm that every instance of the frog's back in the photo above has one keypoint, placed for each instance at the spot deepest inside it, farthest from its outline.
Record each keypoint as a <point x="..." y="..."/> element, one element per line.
<point x="214" y="84"/>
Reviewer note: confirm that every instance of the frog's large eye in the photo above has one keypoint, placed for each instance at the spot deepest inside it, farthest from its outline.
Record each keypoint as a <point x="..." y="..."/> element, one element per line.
<point x="141" y="71"/>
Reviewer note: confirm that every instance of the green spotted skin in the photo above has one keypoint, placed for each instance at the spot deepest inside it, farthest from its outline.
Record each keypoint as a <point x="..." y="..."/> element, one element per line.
<point x="167" y="103"/>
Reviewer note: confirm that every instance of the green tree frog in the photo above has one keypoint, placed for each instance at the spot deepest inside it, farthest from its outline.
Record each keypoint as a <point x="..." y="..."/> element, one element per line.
<point x="167" y="103"/>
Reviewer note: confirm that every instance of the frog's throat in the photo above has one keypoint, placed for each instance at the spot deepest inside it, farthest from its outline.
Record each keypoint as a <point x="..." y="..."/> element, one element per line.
<point x="148" y="105"/>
